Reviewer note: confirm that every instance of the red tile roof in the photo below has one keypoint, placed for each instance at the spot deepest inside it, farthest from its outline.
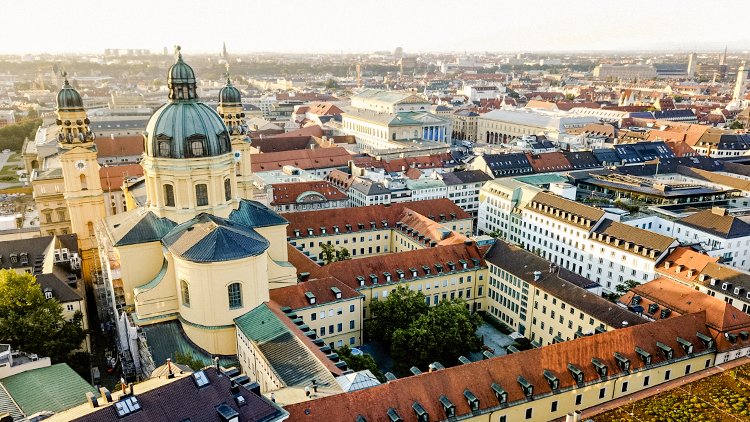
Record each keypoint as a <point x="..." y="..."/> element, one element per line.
<point x="289" y="193"/>
<point x="112" y="177"/>
<point x="478" y="377"/>
<point x="308" y="159"/>
<point x="390" y="214"/>
<point x="551" y="161"/>
<point x="683" y="300"/>
<point x="294" y="296"/>
<point x="305" y="132"/>
<point x="684" y="259"/>
<point x="122" y="146"/>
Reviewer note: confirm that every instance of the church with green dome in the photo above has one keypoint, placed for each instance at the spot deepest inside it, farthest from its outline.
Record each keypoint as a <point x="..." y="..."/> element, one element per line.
<point x="195" y="255"/>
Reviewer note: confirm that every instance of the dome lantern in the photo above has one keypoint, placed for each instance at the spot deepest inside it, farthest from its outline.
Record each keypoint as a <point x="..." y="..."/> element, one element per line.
<point x="181" y="80"/>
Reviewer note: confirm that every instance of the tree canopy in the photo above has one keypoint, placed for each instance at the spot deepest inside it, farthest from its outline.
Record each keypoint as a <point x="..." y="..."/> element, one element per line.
<point x="418" y="335"/>
<point x="360" y="363"/>
<point x="12" y="136"/>
<point x="329" y="253"/>
<point x="33" y="324"/>
<point x="398" y="311"/>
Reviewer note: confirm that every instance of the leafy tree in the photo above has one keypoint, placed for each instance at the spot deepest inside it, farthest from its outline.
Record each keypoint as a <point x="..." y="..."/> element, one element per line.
<point x="398" y="311"/>
<point x="343" y="254"/>
<point x="328" y="253"/>
<point x="12" y="136"/>
<point x="736" y="125"/>
<point x="190" y="360"/>
<point x="332" y="84"/>
<point x="33" y="324"/>
<point x="446" y="332"/>
<point x="360" y="363"/>
<point x="625" y="287"/>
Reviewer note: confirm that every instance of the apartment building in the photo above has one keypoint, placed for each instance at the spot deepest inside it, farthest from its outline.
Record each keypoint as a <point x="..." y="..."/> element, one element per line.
<point x="540" y="384"/>
<point x="580" y="238"/>
<point x="463" y="188"/>
<point x="330" y="308"/>
<point x="545" y="303"/>
<point x="378" y="229"/>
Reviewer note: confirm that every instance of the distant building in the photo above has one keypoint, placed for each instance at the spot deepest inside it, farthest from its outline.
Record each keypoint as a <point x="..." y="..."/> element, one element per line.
<point x="627" y="72"/>
<point x="7" y="117"/>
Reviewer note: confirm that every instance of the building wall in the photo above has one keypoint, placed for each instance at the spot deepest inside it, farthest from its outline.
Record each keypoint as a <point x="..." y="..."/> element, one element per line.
<point x="344" y="316"/>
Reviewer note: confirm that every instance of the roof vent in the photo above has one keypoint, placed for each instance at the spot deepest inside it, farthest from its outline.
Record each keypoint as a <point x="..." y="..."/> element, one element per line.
<point x="389" y="377"/>
<point x="414" y="370"/>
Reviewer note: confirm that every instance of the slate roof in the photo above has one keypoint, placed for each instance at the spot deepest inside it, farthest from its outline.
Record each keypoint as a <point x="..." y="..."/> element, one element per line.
<point x="278" y="344"/>
<point x="35" y="247"/>
<point x="606" y="155"/>
<point x="554" y="202"/>
<point x="138" y="226"/>
<point x="478" y="377"/>
<point x="717" y="223"/>
<point x="512" y="163"/>
<point x="182" y="400"/>
<point x="254" y="214"/>
<point x="60" y="289"/>
<point x="166" y="339"/>
<point x="52" y="388"/>
<point x="581" y="159"/>
<point x="368" y="187"/>
<point x="563" y="284"/>
<point x="463" y="177"/>
<point x="207" y="238"/>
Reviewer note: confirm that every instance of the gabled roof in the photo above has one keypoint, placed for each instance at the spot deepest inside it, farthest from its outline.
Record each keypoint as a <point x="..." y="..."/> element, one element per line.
<point x="478" y="377"/>
<point x="254" y="214"/>
<point x="295" y="298"/>
<point x="53" y="388"/>
<point x="684" y="259"/>
<point x="317" y="158"/>
<point x="547" y="162"/>
<point x="207" y="238"/>
<point x="557" y="203"/>
<point x="463" y="177"/>
<point x="112" y="177"/>
<point x="278" y="343"/>
<point x="581" y="159"/>
<point x="34" y="248"/>
<point x="60" y="289"/>
<point x="683" y="300"/>
<point x="718" y="223"/>
<point x="303" y="192"/>
<point x="633" y="235"/>
<point x="122" y="146"/>
<point x="357" y="381"/>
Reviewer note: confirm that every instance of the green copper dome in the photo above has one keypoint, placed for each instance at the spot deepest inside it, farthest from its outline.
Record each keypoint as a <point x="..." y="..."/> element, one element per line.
<point x="68" y="99"/>
<point x="185" y="127"/>
<point x="229" y="95"/>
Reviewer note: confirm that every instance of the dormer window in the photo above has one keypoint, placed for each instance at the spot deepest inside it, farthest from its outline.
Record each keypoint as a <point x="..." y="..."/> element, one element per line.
<point x="665" y="350"/>
<point x="643" y="355"/>
<point x="361" y="280"/>
<point x="472" y="400"/>
<point x="686" y="345"/>
<point x="309" y="231"/>
<point x="164" y="148"/>
<point x="652" y="308"/>
<point x="552" y="380"/>
<point x="361" y="226"/>
<point x="323" y="230"/>
<point x="387" y="276"/>
<point x="348" y="227"/>
<point x="439" y="268"/>
<point x="413" y="271"/>
<point x="311" y="297"/>
<point x="372" y="224"/>
<point x="426" y="269"/>
<point x="422" y="415"/>
<point x="707" y="341"/>
<point x="500" y="393"/>
<point x="464" y="264"/>
<point x="13" y="258"/>
<point x="400" y="274"/>
<point x="576" y="373"/>
<point x="601" y="367"/>
<point x="448" y="407"/>
<point x="622" y="361"/>
<point x="374" y="279"/>
<point x="452" y="266"/>
<point x="335" y="229"/>
<point x="336" y="292"/>
<point x="393" y="416"/>
<point x="48" y="294"/>
<point x="296" y="232"/>
<point x="528" y="389"/>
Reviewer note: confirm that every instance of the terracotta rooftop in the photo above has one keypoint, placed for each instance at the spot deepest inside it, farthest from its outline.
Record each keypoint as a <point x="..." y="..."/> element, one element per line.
<point x="371" y="217"/>
<point x="684" y="263"/>
<point x="112" y="177"/>
<point x="349" y="271"/>
<point x="478" y="377"/>
<point x="307" y="159"/>
<point x="551" y="161"/>
<point x="122" y="146"/>
<point x="295" y="296"/>
<point x="292" y="193"/>
<point x="682" y="300"/>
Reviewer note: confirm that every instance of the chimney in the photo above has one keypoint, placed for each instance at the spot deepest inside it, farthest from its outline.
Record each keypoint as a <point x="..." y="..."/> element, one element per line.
<point x="106" y="395"/>
<point x="170" y="374"/>
<point x="719" y="211"/>
<point x="130" y="388"/>
<point x="91" y="399"/>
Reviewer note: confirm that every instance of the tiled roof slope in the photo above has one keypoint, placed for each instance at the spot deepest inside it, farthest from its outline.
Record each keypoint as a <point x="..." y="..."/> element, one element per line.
<point x="181" y="400"/>
<point x="555" y="202"/>
<point x="289" y="193"/>
<point x="561" y="283"/>
<point x="253" y="214"/>
<point x="294" y="296"/>
<point x="682" y="299"/>
<point x="718" y="223"/>
<point x="477" y="377"/>
<point x="365" y="215"/>
<point x="53" y="388"/>
<point x="635" y="235"/>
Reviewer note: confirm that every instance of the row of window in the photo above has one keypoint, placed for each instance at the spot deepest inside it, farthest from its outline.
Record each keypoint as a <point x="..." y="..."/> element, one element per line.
<point x="201" y="194"/>
<point x="234" y="294"/>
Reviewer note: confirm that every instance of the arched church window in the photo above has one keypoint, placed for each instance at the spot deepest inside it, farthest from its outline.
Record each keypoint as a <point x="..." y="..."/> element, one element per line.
<point x="234" y="291"/>
<point x="196" y="148"/>
<point x="168" y="195"/>
<point x="201" y="195"/>
<point x="84" y="184"/>
<point x="164" y="149"/>
<point x="227" y="189"/>
<point x="185" y="290"/>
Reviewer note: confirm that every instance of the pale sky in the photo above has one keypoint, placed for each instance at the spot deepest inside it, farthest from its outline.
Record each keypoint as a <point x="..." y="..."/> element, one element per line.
<point x="333" y="26"/>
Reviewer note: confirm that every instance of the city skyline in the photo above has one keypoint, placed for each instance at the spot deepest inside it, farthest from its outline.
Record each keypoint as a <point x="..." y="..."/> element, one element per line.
<point x="416" y="26"/>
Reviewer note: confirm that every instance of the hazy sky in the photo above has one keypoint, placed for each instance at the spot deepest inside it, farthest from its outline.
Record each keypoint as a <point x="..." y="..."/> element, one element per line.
<point x="367" y="25"/>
